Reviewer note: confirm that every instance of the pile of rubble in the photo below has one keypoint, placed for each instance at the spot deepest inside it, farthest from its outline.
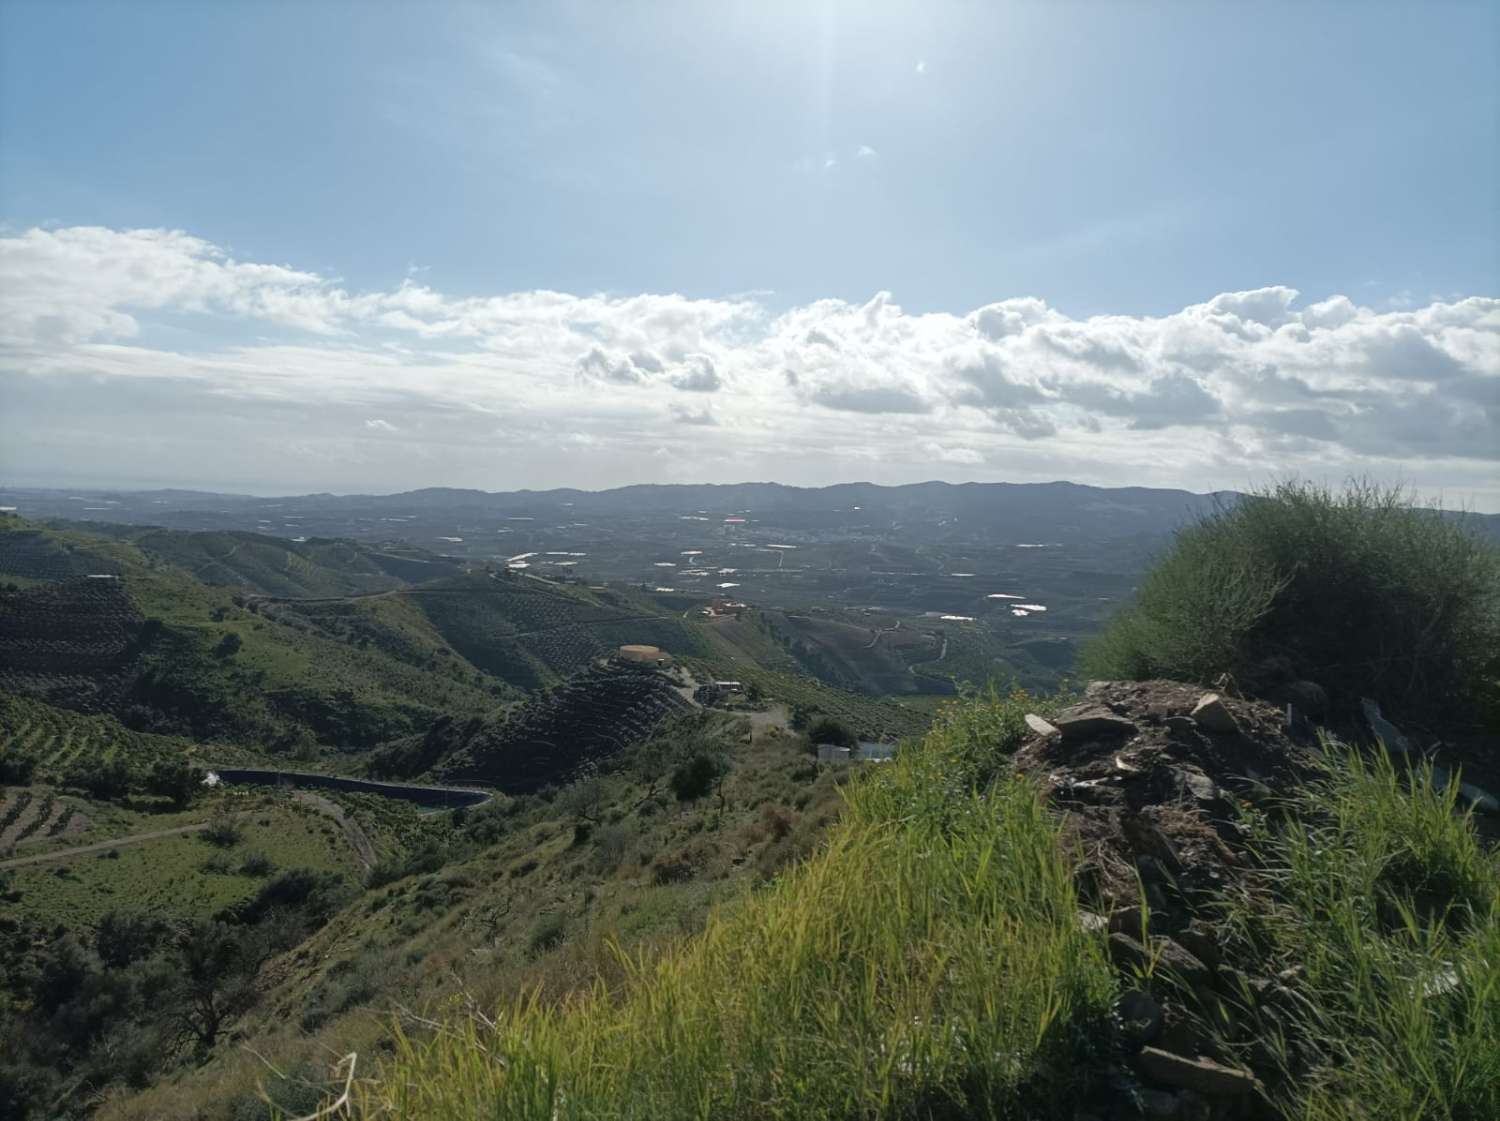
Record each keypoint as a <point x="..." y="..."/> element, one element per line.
<point x="1148" y="776"/>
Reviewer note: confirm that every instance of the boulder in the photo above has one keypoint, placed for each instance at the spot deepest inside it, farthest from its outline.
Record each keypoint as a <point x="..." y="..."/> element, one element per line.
<point x="1082" y="722"/>
<point x="1203" y="1076"/>
<point x="1212" y="715"/>
<point x="1039" y="726"/>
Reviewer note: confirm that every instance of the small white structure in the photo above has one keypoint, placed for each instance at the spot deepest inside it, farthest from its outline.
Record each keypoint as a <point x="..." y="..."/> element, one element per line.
<point x="870" y="752"/>
<point x="832" y="753"/>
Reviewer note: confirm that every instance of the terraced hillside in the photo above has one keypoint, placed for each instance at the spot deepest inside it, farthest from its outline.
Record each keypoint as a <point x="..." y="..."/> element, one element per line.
<point x="165" y="652"/>
<point x="529" y="632"/>
<point x="27" y="554"/>
<point x="41" y="743"/>
<point x="78" y="641"/>
<point x="588" y="718"/>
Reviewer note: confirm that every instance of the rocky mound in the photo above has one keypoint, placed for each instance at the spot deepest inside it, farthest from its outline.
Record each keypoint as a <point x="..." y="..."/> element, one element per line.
<point x="1149" y="776"/>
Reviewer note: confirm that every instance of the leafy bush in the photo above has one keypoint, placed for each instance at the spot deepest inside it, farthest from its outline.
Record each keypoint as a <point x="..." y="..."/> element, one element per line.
<point x="546" y="932"/>
<point x="828" y="730"/>
<point x="257" y="864"/>
<point x="223" y="832"/>
<point x="1359" y="590"/>
<point x="696" y="776"/>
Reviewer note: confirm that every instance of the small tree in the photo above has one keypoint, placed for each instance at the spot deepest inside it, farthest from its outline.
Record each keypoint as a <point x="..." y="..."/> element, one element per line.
<point x="229" y="645"/>
<point x="174" y="779"/>
<point x="828" y="730"/>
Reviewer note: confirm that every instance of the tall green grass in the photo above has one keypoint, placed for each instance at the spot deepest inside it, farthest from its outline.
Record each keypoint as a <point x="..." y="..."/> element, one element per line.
<point x="1359" y="590"/>
<point x="1387" y="905"/>
<point x="927" y="962"/>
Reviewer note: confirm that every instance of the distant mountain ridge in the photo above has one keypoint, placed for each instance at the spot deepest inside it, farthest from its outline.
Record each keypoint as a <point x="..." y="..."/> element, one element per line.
<point x="1076" y="509"/>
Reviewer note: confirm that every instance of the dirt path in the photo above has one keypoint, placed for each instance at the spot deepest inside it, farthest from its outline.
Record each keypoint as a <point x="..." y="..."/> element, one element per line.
<point x="101" y="846"/>
<point x="353" y="832"/>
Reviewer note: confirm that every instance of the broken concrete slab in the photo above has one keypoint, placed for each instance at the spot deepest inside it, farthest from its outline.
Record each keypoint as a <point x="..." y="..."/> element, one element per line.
<point x="1083" y="722"/>
<point x="1039" y="726"/>
<point x="1212" y="715"/>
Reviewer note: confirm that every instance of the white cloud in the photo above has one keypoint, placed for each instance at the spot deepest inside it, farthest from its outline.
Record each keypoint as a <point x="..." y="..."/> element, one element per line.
<point x="921" y="67"/>
<point x="865" y="152"/>
<point x="1233" y="387"/>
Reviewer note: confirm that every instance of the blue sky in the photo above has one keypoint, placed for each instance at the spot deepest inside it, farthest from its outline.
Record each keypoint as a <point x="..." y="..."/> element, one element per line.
<point x="1116" y="161"/>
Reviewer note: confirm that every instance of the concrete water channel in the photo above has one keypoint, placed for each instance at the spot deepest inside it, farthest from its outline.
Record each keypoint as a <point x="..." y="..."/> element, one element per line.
<point x="428" y="797"/>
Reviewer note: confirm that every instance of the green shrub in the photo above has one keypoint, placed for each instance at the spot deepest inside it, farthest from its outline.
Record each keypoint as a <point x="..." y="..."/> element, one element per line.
<point x="828" y="730"/>
<point x="222" y="832"/>
<point x="546" y="932"/>
<point x="257" y="864"/>
<point x="1359" y="590"/>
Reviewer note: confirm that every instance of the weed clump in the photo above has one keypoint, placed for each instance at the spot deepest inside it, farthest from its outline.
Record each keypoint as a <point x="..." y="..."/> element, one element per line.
<point x="1384" y="912"/>
<point x="1359" y="590"/>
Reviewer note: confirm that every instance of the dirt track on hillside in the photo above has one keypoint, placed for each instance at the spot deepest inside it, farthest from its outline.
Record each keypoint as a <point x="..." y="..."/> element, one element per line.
<point x="101" y="846"/>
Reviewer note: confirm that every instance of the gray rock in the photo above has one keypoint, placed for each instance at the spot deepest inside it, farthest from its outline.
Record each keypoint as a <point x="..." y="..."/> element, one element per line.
<point x="1176" y="961"/>
<point x="1196" y="785"/>
<point x="1083" y="722"/>
<point x="1212" y="715"/>
<point x="1481" y="800"/>
<point x="1199" y="940"/>
<point x="1092" y="923"/>
<point x="1127" y="953"/>
<point x="1203" y="1076"/>
<point x="1040" y="726"/>
<point x="1126" y="920"/>
<point x="1181" y="725"/>
<point x="1140" y="1016"/>
<point x="1165" y="958"/>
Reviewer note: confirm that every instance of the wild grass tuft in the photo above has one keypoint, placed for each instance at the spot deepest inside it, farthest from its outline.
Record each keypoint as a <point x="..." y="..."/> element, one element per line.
<point x="1387" y="910"/>
<point x="927" y="962"/>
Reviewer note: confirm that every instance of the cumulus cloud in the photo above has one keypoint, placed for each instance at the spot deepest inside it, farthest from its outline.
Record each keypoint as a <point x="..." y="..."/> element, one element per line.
<point x="1239" y="382"/>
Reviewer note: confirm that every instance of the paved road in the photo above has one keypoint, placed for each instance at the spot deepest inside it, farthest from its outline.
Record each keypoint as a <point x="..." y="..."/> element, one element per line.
<point x="101" y="846"/>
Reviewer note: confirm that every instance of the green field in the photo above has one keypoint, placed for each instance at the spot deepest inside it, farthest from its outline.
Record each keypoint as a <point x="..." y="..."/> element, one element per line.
<point x="167" y="876"/>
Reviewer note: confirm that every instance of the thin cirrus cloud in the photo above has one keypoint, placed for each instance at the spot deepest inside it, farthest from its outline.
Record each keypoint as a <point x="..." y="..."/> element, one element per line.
<point x="1240" y="383"/>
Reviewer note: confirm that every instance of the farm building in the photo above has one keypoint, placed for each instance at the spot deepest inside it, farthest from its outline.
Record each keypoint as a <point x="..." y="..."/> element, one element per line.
<point x="646" y="655"/>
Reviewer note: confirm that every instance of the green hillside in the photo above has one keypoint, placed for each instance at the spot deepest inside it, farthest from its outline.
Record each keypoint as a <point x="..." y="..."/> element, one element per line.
<point x="278" y="567"/>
